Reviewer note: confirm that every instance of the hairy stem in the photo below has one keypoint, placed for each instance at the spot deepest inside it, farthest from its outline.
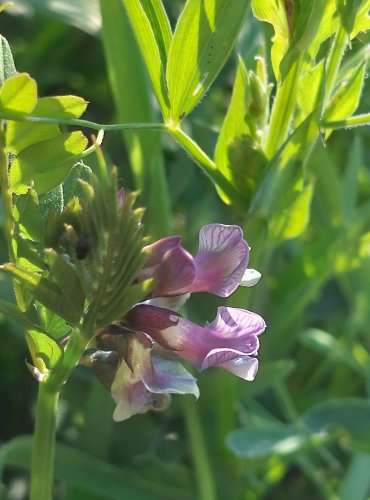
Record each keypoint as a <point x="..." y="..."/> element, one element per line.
<point x="43" y="450"/>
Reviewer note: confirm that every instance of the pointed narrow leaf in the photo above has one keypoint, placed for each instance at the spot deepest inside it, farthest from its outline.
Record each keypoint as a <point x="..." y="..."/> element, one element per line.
<point x="45" y="348"/>
<point x="203" y="39"/>
<point x="346" y="100"/>
<point x="7" y="68"/>
<point x="274" y="12"/>
<point x="152" y="45"/>
<point x="160" y="24"/>
<point x="46" y="163"/>
<point x="18" y="94"/>
<point x="238" y="155"/>
<point x="44" y="290"/>
<point x="347" y="10"/>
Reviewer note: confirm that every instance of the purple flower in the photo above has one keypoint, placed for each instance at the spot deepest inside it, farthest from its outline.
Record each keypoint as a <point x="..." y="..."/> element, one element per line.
<point x="153" y="331"/>
<point x="143" y="380"/>
<point x="230" y="341"/>
<point x="218" y="267"/>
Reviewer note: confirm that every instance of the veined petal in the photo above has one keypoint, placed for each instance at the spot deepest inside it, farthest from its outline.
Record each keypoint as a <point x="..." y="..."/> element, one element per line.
<point x="221" y="260"/>
<point x="231" y="336"/>
<point x="171" y="266"/>
<point x="236" y="362"/>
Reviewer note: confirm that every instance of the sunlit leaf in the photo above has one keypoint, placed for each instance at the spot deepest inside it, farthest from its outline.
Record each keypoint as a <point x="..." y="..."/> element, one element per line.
<point x="45" y="348"/>
<point x="7" y="68"/>
<point x="153" y="41"/>
<point x="238" y="154"/>
<point x="55" y="158"/>
<point x="203" y="39"/>
<point x="362" y="21"/>
<point x="18" y="95"/>
<point x="44" y="290"/>
<point x="348" y="10"/>
<point x="277" y="13"/>
<point x="28" y="215"/>
<point x="346" y="98"/>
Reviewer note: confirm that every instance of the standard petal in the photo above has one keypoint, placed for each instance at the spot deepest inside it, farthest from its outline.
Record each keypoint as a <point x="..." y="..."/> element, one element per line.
<point x="221" y="260"/>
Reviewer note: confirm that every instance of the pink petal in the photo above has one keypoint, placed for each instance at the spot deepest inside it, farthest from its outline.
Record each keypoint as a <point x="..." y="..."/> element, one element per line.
<point x="221" y="260"/>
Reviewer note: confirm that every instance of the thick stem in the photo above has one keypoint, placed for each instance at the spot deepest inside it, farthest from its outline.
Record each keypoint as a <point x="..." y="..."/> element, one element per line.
<point x="283" y="109"/>
<point x="43" y="450"/>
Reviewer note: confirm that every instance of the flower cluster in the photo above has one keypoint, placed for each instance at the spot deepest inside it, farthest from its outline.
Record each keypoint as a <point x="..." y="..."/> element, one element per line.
<point x="138" y="357"/>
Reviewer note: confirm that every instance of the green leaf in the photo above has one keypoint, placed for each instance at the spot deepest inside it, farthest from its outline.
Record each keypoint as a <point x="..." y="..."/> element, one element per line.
<point x="72" y="185"/>
<point x="275" y="13"/>
<point x="10" y="310"/>
<point x="161" y="26"/>
<point x="18" y="95"/>
<point x="46" y="163"/>
<point x="293" y="220"/>
<point x="45" y="291"/>
<point x="285" y="185"/>
<point x="203" y="39"/>
<point x="44" y="347"/>
<point x="347" y="10"/>
<point x="352" y="415"/>
<point x="126" y="70"/>
<point x="362" y="22"/>
<point x="346" y="99"/>
<point x="67" y="280"/>
<point x="21" y="135"/>
<point x="238" y="155"/>
<point x="7" y="68"/>
<point x="153" y="41"/>
<point x="304" y="19"/>
<point x="309" y="88"/>
<point x="76" y="467"/>
<point x="28" y="215"/>
<point x="265" y="441"/>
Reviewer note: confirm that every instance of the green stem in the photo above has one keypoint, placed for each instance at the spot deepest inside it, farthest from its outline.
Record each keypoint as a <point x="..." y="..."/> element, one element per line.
<point x="83" y="123"/>
<point x="352" y="121"/>
<point x="282" y="111"/>
<point x="44" y="444"/>
<point x="42" y="466"/>
<point x="203" y="472"/>
<point x="206" y="164"/>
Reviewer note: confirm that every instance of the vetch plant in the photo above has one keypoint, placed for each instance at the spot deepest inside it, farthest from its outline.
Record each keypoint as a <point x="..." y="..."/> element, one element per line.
<point x="91" y="289"/>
